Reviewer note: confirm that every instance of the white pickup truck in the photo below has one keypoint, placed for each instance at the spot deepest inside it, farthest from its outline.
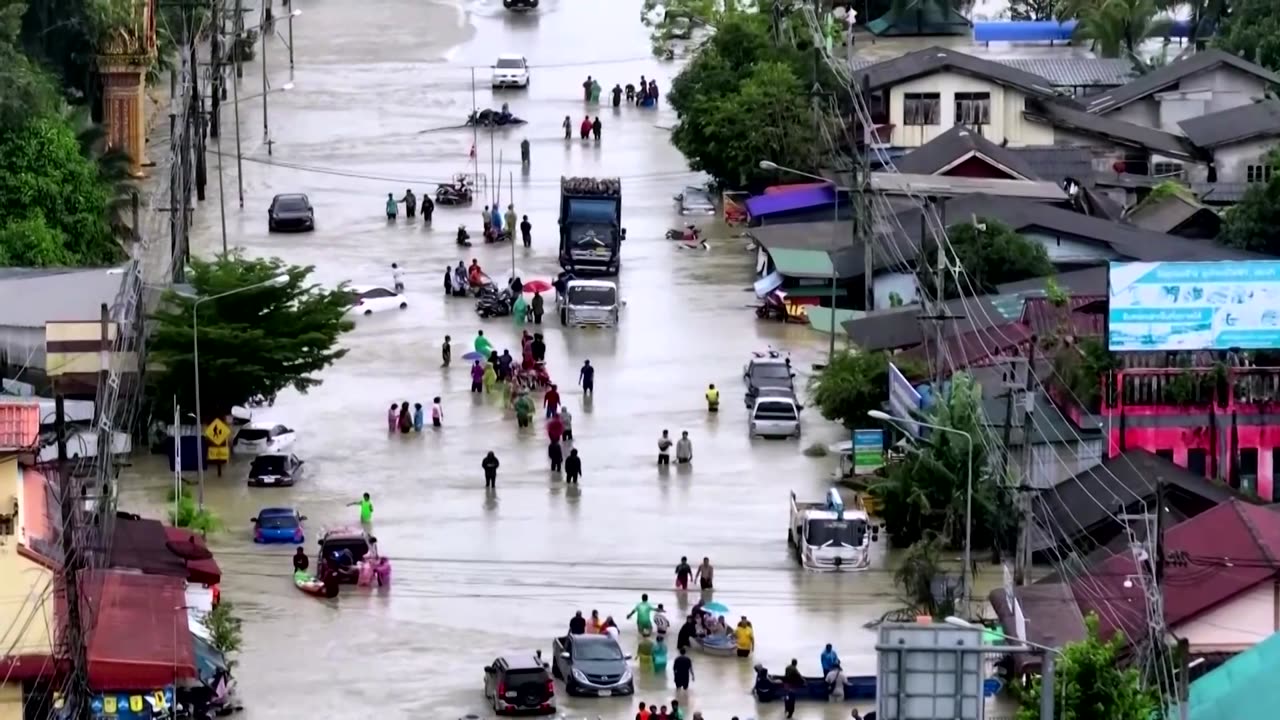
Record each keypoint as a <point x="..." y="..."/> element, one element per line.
<point x="589" y="303"/>
<point x="827" y="537"/>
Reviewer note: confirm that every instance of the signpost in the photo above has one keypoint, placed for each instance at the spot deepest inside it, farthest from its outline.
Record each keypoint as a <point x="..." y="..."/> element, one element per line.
<point x="218" y="435"/>
<point x="868" y="451"/>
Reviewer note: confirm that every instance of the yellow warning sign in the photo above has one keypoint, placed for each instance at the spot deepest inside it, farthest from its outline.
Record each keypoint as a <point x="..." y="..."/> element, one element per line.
<point x="218" y="453"/>
<point x="217" y="432"/>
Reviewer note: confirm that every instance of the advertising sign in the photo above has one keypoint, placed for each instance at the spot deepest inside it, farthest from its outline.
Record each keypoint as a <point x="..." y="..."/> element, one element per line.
<point x="135" y="705"/>
<point x="868" y="451"/>
<point x="1194" y="305"/>
<point x="904" y="400"/>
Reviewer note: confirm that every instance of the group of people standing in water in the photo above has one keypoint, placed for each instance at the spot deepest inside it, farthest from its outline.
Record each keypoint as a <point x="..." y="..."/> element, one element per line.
<point x="400" y="418"/>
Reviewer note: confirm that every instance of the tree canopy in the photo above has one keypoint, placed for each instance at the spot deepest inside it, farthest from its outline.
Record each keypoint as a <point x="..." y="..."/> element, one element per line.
<point x="1251" y="223"/>
<point x="989" y="254"/>
<point x="926" y="491"/>
<point x="855" y="383"/>
<point x="740" y="101"/>
<point x="1093" y="681"/>
<point x="252" y="344"/>
<point x="1252" y="31"/>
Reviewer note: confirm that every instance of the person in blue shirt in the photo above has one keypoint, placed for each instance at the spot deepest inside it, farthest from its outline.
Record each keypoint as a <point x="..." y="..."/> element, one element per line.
<point x="393" y="208"/>
<point x="829" y="659"/>
<point x="496" y="220"/>
<point x="417" y="417"/>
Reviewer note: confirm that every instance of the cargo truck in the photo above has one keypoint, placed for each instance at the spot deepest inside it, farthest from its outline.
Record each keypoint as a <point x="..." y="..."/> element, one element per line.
<point x="591" y="232"/>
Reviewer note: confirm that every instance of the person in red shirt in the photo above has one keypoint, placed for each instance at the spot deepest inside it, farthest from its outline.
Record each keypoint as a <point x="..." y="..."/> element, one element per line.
<point x="644" y="712"/>
<point x="555" y="428"/>
<point x="551" y="401"/>
<point x="584" y="130"/>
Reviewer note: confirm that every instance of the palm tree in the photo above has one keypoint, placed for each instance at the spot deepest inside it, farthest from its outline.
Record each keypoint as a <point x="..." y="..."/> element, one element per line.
<point x="115" y="169"/>
<point x="1116" y="28"/>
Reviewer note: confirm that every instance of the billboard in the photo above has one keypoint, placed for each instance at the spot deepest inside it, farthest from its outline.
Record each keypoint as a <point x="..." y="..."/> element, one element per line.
<point x="868" y="451"/>
<point x="1194" y="305"/>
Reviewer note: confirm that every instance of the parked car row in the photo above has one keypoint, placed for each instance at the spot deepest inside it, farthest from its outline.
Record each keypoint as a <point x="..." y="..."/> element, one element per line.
<point x="589" y="666"/>
<point x="772" y="405"/>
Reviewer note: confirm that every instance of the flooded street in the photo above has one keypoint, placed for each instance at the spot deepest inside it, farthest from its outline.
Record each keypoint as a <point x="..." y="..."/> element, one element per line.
<point x="476" y="574"/>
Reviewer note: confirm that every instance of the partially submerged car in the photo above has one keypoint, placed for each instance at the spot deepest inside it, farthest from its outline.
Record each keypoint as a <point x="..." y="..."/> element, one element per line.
<point x="591" y="665"/>
<point x="511" y="71"/>
<point x="775" y="413"/>
<point x="369" y="299"/>
<point x="291" y="212"/>
<point x="275" y="470"/>
<point x="257" y="438"/>
<point x="696" y="201"/>
<point x="767" y="372"/>
<point x="519" y="683"/>
<point x="279" y="525"/>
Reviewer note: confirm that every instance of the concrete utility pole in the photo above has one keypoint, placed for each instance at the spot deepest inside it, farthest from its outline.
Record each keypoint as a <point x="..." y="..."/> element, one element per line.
<point x="1022" y="566"/>
<point x="72" y="563"/>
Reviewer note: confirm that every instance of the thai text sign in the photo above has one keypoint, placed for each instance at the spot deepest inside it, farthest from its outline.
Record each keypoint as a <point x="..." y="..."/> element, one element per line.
<point x="1194" y="305"/>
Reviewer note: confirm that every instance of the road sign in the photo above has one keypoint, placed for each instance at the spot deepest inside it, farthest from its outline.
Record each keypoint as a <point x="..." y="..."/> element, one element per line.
<point x="217" y="432"/>
<point x="218" y="453"/>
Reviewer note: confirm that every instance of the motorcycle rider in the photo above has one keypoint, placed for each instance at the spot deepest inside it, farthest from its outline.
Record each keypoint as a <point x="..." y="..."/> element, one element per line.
<point x="691" y="233"/>
<point x="463" y="237"/>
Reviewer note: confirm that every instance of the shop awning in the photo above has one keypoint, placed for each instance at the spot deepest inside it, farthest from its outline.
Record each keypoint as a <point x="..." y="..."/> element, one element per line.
<point x="143" y="545"/>
<point x="202" y="569"/>
<point x="139" y="637"/>
<point x="208" y="659"/>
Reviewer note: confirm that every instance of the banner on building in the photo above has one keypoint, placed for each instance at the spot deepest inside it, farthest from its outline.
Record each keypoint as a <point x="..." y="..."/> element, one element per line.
<point x="904" y="400"/>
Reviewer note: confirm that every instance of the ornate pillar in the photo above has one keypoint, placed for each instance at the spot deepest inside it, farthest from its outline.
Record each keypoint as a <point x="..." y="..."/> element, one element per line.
<point x="123" y="109"/>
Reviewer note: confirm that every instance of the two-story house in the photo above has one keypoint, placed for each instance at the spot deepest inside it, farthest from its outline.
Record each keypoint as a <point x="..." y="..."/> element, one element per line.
<point x="919" y="96"/>
<point x="1239" y="141"/>
<point x="27" y="562"/>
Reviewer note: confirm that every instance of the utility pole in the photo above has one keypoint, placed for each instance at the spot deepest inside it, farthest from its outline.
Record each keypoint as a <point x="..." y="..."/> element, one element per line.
<point x="268" y="27"/>
<point x="235" y="100"/>
<point x="216" y="44"/>
<point x="1022" y="566"/>
<point x="72" y="563"/>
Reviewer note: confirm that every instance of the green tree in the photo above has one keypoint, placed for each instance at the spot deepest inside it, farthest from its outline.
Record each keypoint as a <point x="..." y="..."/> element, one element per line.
<point x="254" y="343"/>
<point x="926" y="491"/>
<point x="225" y="630"/>
<point x="1093" y="681"/>
<point x="1116" y="28"/>
<point x="1251" y="223"/>
<point x="989" y="253"/>
<point x="55" y="196"/>
<point x="185" y="513"/>
<point x="1252" y="31"/>
<point x="26" y="90"/>
<point x="854" y="383"/>
<point x="916" y="579"/>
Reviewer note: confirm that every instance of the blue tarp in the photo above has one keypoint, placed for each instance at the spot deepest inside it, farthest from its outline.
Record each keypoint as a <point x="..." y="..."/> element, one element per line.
<point x="790" y="201"/>
<point x="767" y="284"/>
<point x="1045" y="30"/>
<point x="208" y="660"/>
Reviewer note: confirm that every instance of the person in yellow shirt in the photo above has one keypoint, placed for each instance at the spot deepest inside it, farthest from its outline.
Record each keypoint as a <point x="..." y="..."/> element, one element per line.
<point x="745" y="636"/>
<point x="713" y="398"/>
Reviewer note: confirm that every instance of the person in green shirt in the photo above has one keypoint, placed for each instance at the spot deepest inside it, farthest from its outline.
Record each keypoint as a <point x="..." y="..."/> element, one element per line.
<point x="643" y="612"/>
<point x="366" y="509"/>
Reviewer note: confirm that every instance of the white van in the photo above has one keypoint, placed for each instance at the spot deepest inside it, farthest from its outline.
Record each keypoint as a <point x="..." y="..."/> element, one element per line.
<point x="775" y="413"/>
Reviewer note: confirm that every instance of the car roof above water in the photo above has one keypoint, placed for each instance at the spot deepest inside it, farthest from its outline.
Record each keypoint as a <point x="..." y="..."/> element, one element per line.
<point x="276" y="512"/>
<point x="522" y="661"/>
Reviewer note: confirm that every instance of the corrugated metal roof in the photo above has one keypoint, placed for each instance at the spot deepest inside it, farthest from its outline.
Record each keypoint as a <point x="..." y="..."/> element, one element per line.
<point x="1242" y="687"/>
<point x="1060" y="72"/>
<point x="1221" y="193"/>
<point x="938" y="59"/>
<point x="35" y="299"/>
<point x="1055" y="162"/>
<point x="1172" y="74"/>
<point x="781" y="202"/>
<point x="956" y="144"/>
<point x="802" y="263"/>
<point x="1236" y="125"/>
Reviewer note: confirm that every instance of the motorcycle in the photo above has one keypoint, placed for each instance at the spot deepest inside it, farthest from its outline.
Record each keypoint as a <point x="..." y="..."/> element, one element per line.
<point x="774" y="307"/>
<point x="690" y="234"/>
<point x="498" y="236"/>
<point x="494" y="303"/>
<point x="452" y="194"/>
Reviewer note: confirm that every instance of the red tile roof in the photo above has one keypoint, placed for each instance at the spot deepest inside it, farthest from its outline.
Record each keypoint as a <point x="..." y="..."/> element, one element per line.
<point x="140" y="639"/>
<point x="1043" y="317"/>
<point x="1244" y="535"/>
<point x="19" y="425"/>
<point x="976" y="348"/>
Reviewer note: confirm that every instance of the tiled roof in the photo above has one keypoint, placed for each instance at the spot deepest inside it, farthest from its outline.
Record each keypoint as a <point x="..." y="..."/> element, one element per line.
<point x="1044" y="317"/>
<point x="19" y="425"/>
<point x="1257" y="120"/>
<point x="956" y="144"/>
<point x="1172" y="74"/>
<point x="937" y="59"/>
<point x="1056" y="162"/>
<point x="1089" y="281"/>
<point x="1076" y="72"/>
<point x="1220" y="193"/>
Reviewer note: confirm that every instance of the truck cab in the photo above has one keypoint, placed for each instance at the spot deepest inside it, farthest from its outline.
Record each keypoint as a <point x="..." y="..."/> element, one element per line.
<point x="591" y="232"/>
<point x="827" y="537"/>
<point x="589" y="303"/>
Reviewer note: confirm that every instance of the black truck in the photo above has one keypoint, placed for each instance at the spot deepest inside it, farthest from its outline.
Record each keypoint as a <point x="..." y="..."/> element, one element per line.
<point x="591" y="232"/>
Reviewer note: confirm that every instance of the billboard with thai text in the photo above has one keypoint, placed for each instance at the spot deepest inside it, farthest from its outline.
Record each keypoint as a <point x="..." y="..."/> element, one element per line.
<point x="1194" y="305"/>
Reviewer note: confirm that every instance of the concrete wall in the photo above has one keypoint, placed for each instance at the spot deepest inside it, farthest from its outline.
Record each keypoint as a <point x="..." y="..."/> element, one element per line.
<point x="1144" y="112"/>
<point x="1007" y="106"/>
<point x="22" y="581"/>
<point x="11" y="701"/>
<point x="1229" y="87"/>
<point x="23" y="346"/>
<point x="1233" y="161"/>
<point x="1236" y="625"/>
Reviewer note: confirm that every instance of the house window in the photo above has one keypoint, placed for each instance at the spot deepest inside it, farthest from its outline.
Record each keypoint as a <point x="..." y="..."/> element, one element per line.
<point x="1258" y="173"/>
<point x="973" y="108"/>
<point x="921" y="109"/>
<point x="1166" y="454"/>
<point x="1248" y="470"/>
<point x="1198" y="461"/>
<point x="6" y="524"/>
<point x="1167" y="170"/>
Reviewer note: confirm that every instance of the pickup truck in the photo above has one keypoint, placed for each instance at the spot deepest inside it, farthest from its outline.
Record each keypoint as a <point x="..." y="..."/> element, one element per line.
<point x="591" y="665"/>
<point x="828" y="538"/>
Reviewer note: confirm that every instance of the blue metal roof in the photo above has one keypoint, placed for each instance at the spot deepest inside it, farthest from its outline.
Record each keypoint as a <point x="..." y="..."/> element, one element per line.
<point x="1023" y="31"/>
<point x="790" y="201"/>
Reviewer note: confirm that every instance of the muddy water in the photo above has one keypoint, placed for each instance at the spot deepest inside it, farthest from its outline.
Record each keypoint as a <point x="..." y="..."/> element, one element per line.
<point x="478" y="574"/>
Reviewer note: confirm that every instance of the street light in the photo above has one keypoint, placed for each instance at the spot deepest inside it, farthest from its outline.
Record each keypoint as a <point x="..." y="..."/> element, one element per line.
<point x="968" y="488"/>
<point x="266" y="9"/>
<point x="235" y="89"/>
<point x="1048" y="671"/>
<point x="771" y="166"/>
<point x="276" y="281"/>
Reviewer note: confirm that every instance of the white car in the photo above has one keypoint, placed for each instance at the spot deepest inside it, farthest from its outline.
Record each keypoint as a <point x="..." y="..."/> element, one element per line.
<point x="258" y="438"/>
<point x="511" y="71"/>
<point x="369" y="299"/>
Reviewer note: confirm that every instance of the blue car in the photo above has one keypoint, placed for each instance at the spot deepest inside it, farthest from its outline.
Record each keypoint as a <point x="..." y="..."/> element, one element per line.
<point x="278" y="525"/>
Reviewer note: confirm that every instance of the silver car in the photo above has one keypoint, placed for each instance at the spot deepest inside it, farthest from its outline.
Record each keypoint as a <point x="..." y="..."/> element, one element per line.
<point x="696" y="201"/>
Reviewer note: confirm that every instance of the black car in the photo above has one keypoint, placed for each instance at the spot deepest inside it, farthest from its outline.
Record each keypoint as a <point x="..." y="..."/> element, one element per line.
<point x="768" y="373"/>
<point x="291" y="212"/>
<point x="520" y="4"/>
<point x="519" y="684"/>
<point x="275" y="469"/>
<point x="591" y="665"/>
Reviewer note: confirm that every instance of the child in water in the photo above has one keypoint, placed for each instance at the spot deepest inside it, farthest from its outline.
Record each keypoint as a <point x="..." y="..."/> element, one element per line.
<point x="417" y="417"/>
<point x="437" y="413"/>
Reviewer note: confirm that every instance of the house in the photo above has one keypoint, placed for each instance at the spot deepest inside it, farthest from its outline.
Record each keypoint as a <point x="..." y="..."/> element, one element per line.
<point x="1221" y="589"/>
<point x="1070" y="76"/>
<point x="1177" y="213"/>
<point x="51" y="325"/>
<point x="962" y="152"/>
<point x="1239" y="141"/>
<point x="1115" y="143"/>
<point x="1203" y="83"/>
<point x="920" y="95"/>
<point x="29" y="558"/>
<point x="802" y="258"/>
<point x="1242" y="687"/>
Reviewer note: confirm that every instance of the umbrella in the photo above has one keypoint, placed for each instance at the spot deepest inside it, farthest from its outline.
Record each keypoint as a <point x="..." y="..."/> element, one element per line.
<point x="473" y="355"/>
<point x="718" y="608"/>
<point x="537" y="286"/>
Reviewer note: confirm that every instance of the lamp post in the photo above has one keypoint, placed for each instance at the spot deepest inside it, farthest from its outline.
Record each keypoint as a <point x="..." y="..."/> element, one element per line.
<point x="1048" y="671"/>
<point x="235" y="90"/>
<point x="268" y="25"/>
<point x="195" y="356"/>
<point x="968" y="488"/>
<point x="835" y="230"/>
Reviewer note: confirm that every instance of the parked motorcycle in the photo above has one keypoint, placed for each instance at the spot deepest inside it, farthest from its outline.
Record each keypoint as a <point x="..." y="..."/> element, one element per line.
<point x="688" y="234"/>
<point x="494" y="303"/>
<point x="451" y="194"/>
<point x="774" y="307"/>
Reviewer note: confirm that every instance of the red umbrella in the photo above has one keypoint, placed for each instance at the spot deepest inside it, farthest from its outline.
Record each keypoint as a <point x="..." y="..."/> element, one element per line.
<point x="537" y="286"/>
